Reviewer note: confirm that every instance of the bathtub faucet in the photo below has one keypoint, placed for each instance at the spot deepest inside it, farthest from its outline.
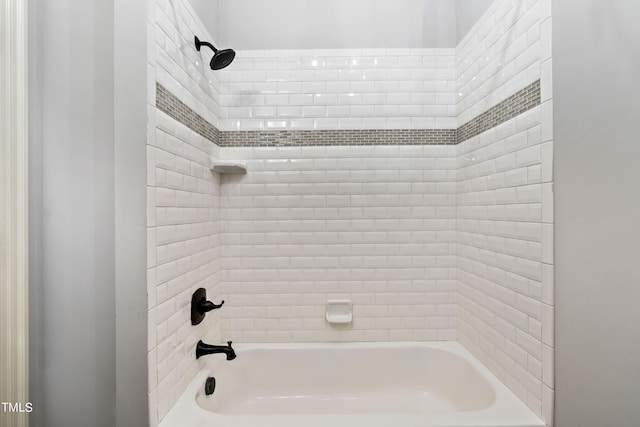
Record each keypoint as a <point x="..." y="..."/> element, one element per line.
<point x="203" y="349"/>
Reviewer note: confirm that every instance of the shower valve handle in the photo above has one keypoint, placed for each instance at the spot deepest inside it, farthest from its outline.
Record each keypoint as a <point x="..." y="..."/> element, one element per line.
<point x="206" y="306"/>
<point x="200" y="306"/>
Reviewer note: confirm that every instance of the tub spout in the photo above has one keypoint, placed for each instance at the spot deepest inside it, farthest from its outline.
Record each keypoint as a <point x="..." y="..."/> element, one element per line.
<point x="203" y="349"/>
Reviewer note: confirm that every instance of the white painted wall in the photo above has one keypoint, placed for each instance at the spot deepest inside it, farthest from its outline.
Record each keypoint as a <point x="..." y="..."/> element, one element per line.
<point x="596" y="67"/>
<point x="208" y="12"/>
<point x="74" y="320"/>
<point x="468" y="12"/>
<point x="87" y="225"/>
<point x="130" y="137"/>
<point x="313" y="24"/>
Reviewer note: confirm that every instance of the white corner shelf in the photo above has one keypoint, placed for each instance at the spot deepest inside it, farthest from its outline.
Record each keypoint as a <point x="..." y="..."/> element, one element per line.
<point x="228" y="166"/>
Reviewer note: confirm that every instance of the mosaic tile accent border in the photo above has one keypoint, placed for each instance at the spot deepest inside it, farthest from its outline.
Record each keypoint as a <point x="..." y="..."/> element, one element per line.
<point x="523" y="100"/>
<point x="338" y="137"/>
<point x="169" y="104"/>
<point x="518" y="103"/>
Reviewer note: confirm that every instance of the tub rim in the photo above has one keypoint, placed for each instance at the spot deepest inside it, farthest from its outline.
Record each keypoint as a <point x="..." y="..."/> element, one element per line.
<point x="506" y="410"/>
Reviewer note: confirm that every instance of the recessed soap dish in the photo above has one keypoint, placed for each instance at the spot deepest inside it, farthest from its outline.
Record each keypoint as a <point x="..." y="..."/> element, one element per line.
<point x="339" y="311"/>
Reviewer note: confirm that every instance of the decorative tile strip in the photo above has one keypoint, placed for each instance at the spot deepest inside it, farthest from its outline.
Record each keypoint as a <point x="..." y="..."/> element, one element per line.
<point x="168" y="103"/>
<point x="338" y="137"/>
<point x="522" y="101"/>
<point x="516" y="104"/>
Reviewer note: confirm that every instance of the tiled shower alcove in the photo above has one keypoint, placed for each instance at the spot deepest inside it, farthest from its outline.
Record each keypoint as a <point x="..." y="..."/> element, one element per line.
<point x="415" y="182"/>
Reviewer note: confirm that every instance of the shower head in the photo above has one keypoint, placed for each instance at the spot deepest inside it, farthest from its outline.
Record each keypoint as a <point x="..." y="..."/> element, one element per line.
<point x="221" y="58"/>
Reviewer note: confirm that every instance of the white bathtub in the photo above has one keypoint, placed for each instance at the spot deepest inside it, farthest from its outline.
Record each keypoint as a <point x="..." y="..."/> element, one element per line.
<point x="349" y="385"/>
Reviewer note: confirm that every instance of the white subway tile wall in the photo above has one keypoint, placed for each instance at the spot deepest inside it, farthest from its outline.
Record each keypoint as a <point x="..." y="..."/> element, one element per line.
<point x="339" y="89"/>
<point x="499" y="56"/>
<point x="500" y="252"/>
<point x="429" y="242"/>
<point x="373" y="224"/>
<point x="184" y="254"/>
<point x="183" y="200"/>
<point x="505" y="204"/>
<point x="174" y="61"/>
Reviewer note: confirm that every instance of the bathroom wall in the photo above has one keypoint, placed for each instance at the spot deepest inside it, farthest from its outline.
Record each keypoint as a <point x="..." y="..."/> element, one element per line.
<point x="87" y="228"/>
<point x="76" y="235"/>
<point x="208" y="12"/>
<point x="374" y="224"/>
<point x="415" y="182"/>
<point x="183" y="199"/>
<point x="505" y="198"/>
<point x="339" y="89"/>
<point x="468" y="13"/>
<point x="313" y="24"/>
<point x="499" y="56"/>
<point x="130" y="152"/>
<point x="357" y="30"/>
<point x="596" y="66"/>
<point x="331" y="209"/>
